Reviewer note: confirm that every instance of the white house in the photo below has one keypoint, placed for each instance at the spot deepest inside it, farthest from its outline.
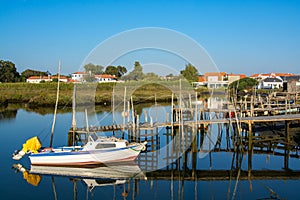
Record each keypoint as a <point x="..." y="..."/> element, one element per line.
<point x="38" y="79"/>
<point x="216" y="79"/>
<point x="104" y="78"/>
<point x="77" y="76"/>
<point x="271" y="83"/>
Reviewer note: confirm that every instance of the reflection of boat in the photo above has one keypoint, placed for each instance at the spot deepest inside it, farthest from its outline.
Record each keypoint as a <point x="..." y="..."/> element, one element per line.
<point x="122" y="170"/>
<point x="91" y="183"/>
<point x="95" y="151"/>
<point x="116" y="173"/>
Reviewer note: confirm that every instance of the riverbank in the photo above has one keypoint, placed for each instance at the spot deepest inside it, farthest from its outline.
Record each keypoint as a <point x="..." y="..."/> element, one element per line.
<point x="44" y="94"/>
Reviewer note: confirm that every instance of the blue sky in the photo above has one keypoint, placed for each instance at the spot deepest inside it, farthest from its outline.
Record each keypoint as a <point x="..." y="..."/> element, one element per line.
<point x="240" y="36"/>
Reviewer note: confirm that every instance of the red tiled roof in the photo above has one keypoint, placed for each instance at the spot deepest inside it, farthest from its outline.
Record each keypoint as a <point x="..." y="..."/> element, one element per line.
<point x="271" y="74"/>
<point x="78" y="73"/>
<point x="105" y="76"/>
<point x="61" y="77"/>
<point x="215" y="74"/>
<point x="38" y="77"/>
<point x="201" y="79"/>
<point x="240" y="75"/>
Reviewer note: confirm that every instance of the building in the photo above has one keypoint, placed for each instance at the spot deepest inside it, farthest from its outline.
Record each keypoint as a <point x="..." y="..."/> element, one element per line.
<point x="234" y="77"/>
<point x="105" y="78"/>
<point x="216" y="79"/>
<point x="212" y="80"/>
<point x="39" y="79"/>
<point x="291" y="83"/>
<point x="270" y="75"/>
<point x="61" y="78"/>
<point x="77" y="77"/>
<point x="270" y="83"/>
<point x="271" y="80"/>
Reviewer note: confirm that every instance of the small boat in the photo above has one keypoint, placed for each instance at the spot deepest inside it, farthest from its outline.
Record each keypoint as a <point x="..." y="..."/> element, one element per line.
<point x="98" y="150"/>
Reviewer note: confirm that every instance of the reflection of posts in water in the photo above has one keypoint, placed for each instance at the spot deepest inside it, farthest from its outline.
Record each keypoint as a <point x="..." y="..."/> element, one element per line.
<point x="250" y="149"/>
<point x="287" y="145"/>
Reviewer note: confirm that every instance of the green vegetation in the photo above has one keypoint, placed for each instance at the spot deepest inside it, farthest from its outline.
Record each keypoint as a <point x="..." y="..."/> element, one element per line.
<point x="190" y="73"/>
<point x="136" y="74"/>
<point x="8" y="72"/>
<point x="116" y="71"/>
<point x="93" y="69"/>
<point x="29" y="72"/>
<point x="243" y="84"/>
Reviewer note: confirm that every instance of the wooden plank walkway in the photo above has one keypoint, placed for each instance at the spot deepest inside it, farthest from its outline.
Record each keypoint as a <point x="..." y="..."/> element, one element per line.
<point x="148" y="126"/>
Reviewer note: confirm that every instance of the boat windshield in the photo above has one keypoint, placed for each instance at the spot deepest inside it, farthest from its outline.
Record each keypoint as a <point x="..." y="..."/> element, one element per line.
<point x="93" y="137"/>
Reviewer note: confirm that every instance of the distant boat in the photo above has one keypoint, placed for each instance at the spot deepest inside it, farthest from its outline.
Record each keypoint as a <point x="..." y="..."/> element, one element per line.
<point x="95" y="151"/>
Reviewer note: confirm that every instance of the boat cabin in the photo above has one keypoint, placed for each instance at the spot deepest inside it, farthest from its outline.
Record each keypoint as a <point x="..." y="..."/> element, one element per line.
<point x="95" y="142"/>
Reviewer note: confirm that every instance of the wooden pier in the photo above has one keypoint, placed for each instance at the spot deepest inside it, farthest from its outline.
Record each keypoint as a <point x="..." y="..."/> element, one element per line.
<point x="250" y="126"/>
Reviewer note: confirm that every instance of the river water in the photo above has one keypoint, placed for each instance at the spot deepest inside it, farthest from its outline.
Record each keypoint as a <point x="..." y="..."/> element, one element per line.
<point x="204" y="174"/>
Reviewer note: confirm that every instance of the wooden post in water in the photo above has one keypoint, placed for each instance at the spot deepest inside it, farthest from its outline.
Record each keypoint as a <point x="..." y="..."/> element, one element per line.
<point x="133" y="118"/>
<point x="172" y="114"/>
<point x="286" y="106"/>
<point x="128" y="111"/>
<point x="138" y="128"/>
<point x="252" y="106"/>
<point x="196" y="110"/>
<point x="287" y="145"/>
<point x="250" y="149"/>
<point x="124" y="111"/>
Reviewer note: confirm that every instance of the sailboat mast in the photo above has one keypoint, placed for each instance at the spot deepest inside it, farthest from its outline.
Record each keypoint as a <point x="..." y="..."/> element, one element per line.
<point x="74" y="114"/>
<point x="73" y="109"/>
<point x="56" y="104"/>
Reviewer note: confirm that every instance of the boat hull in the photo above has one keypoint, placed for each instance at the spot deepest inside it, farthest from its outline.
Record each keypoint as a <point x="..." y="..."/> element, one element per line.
<point x="85" y="157"/>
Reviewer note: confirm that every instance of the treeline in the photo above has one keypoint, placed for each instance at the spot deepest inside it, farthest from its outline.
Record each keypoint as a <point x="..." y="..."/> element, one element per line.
<point x="9" y="73"/>
<point x="37" y="95"/>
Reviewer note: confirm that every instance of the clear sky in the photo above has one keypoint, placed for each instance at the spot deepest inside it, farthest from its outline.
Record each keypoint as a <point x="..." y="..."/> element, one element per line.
<point x="240" y="36"/>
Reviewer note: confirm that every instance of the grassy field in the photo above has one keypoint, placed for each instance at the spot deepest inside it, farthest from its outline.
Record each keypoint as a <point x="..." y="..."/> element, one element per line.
<point x="44" y="94"/>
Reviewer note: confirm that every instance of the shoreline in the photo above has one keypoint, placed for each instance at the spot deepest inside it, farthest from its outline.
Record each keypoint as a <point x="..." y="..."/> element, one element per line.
<point x="44" y="94"/>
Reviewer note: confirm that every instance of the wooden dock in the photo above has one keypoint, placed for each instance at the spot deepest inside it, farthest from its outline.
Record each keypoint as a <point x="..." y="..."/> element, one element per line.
<point x="148" y="126"/>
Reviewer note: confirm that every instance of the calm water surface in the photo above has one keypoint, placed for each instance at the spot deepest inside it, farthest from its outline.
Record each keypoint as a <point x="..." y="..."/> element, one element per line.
<point x="17" y="125"/>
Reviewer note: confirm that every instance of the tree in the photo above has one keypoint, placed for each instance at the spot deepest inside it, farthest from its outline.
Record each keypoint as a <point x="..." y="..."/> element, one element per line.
<point x="29" y="72"/>
<point x="8" y="72"/>
<point x="116" y="71"/>
<point x="190" y="73"/>
<point x="112" y="70"/>
<point x="121" y="70"/>
<point x="243" y="84"/>
<point x="93" y="69"/>
<point x="150" y="76"/>
<point x="137" y="73"/>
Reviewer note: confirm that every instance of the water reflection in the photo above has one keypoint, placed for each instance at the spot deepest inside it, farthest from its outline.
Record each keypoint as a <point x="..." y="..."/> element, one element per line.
<point x="8" y="114"/>
<point x="92" y="176"/>
<point x="207" y="162"/>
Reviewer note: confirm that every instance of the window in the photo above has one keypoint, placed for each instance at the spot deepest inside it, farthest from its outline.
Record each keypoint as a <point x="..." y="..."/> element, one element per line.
<point x="94" y="137"/>
<point x="105" y="145"/>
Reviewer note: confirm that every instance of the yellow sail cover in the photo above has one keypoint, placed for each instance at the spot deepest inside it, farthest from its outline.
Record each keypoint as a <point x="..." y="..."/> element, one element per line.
<point x="33" y="145"/>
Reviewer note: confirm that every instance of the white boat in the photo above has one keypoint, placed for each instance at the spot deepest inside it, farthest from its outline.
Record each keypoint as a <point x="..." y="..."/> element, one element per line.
<point x="95" y="151"/>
